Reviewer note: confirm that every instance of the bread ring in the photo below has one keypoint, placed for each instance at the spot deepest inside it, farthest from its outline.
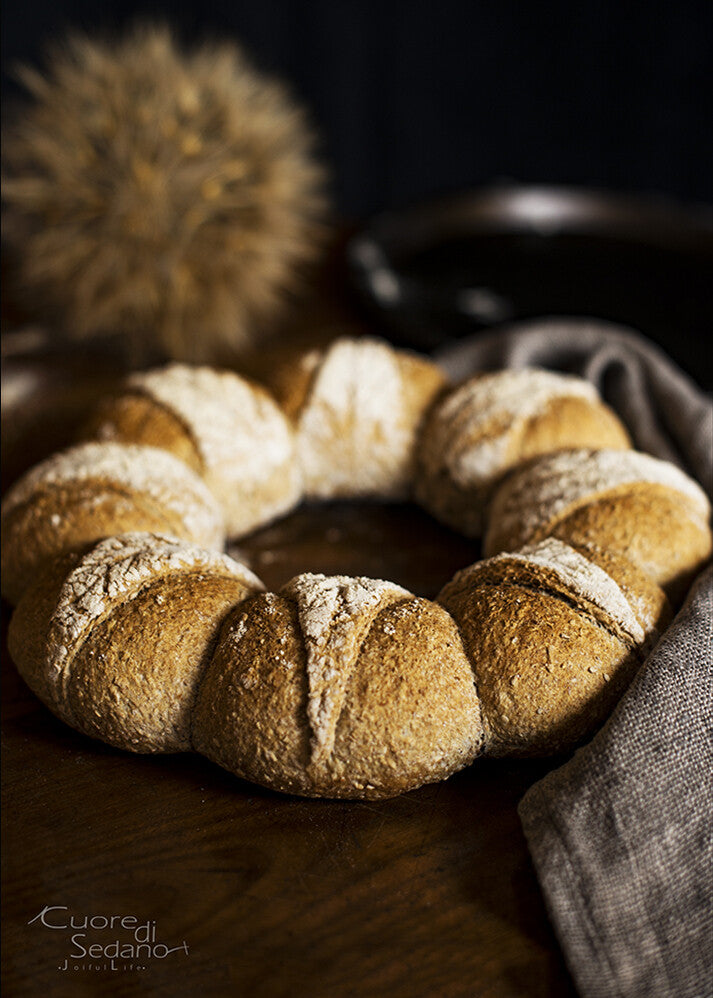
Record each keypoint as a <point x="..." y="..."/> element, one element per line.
<point x="337" y="686"/>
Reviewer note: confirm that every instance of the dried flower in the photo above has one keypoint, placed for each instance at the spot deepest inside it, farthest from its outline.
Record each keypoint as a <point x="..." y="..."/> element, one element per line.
<point x="163" y="195"/>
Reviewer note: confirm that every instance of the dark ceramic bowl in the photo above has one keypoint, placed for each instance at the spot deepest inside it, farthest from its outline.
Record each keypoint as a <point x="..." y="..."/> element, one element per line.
<point x="439" y="271"/>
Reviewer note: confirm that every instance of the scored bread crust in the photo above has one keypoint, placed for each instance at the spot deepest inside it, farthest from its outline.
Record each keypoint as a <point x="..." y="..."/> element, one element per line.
<point x="357" y="408"/>
<point x="494" y="422"/>
<point x="93" y="490"/>
<point x="553" y="639"/>
<point x="647" y="600"/>
<point x="225" y="427"/>
<point x="624" y="502"/>
<point x="398" y="710"/>
<point x="112" y="643"/>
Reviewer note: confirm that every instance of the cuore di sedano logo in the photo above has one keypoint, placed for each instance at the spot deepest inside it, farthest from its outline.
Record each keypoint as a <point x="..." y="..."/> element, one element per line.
<point x="106" y="942"/>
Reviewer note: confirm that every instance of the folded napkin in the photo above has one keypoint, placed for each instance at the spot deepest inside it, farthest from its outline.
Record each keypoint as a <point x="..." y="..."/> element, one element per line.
<point x="620" y="835"/>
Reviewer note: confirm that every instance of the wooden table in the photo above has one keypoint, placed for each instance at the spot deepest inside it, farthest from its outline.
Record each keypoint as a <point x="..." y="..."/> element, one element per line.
<point x="430" y="894"/>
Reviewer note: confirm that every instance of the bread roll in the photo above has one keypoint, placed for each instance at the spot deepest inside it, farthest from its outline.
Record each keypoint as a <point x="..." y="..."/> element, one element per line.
<point x="492" y="423"/>
<point x="553" y="640"/>
<point x="357" y="407"/>
<point x="620" y="501"/>
<point x="83" y="494"/>
<point x="114" y="642"/>
<point x="339" y="687"/>
<point x="228" y="429"/>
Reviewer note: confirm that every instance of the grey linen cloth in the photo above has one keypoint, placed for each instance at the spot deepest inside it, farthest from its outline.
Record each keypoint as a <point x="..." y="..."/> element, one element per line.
<point x="620" y="835"/>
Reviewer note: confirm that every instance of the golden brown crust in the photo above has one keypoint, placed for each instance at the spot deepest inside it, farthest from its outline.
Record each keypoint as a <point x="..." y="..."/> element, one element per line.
<point x="571" y="422"/>
<point x="70" y="518"/>
<point x="550" y="661"/>
<point x="648" y="601"/>
<point x="357" y="407"/>
<point x="226" y="428"/>
<point x="46" y="514"/>
<point x="27" y="634"/>
<point x="651" y="526"/>
<point x="292" y="379"/>
<point x="626" y="503"/>
<point x="423" y="383"/>
<point x="133" y="681"/>
<point x="250" y="713"/>
<point x="114" y="639"/>
<point x="546" y="675"/>
<point x="59" y="521"/>
<point x="137" y="419"/>
<point x="493" y="423"/>
<point x="410" y="715"/>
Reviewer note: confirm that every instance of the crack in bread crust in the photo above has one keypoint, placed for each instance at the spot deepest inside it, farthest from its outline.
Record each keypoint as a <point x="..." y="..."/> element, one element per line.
<point x="112" y="574"/>
<point x="588" y="611"/>
<point x="335" y="615"/>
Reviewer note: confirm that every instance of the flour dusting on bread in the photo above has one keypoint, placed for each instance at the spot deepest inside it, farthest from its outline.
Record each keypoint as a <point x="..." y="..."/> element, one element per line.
<point x="541" y="493"/>
<point x="147" y="470"/>
<point x="113" y="572"/>
<point x="335" y="614"/>
<point x="584" y="579"/>
<point x="351" y="436"/>
<point x="505" y="401"/>
<point x="234" y="425"/>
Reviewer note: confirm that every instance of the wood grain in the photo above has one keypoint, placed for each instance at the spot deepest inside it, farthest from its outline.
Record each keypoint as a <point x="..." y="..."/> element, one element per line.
<point x="428" y="894"/>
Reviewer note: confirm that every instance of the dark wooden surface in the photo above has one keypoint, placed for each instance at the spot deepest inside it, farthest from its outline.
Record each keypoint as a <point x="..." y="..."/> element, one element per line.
<point x="430" y="894"/>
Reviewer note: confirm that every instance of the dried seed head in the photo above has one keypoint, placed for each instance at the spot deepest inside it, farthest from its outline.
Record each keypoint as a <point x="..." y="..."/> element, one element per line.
<point x="160" y="194"/>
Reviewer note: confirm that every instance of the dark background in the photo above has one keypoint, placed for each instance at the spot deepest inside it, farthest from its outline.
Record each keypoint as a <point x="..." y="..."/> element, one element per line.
<point x="415" y="98"/>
